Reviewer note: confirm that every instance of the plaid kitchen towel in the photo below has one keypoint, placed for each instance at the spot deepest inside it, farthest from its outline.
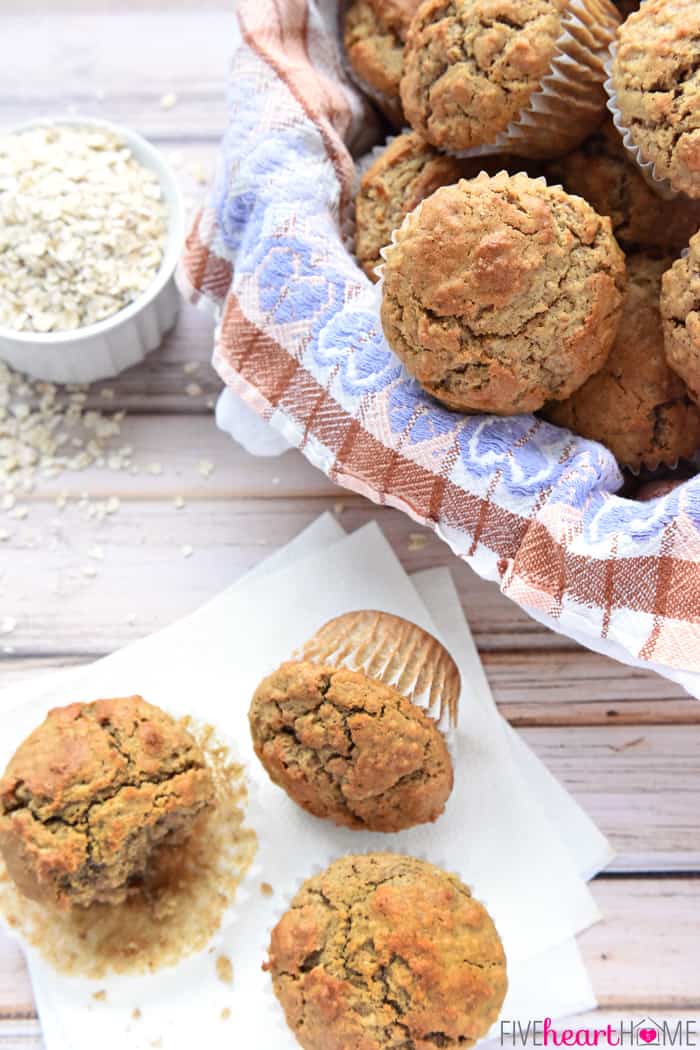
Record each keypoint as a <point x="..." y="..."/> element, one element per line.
<point x="299" y="340"/>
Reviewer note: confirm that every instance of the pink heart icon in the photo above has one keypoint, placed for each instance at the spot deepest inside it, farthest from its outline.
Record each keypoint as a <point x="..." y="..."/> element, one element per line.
<point x="647" y="1034"/>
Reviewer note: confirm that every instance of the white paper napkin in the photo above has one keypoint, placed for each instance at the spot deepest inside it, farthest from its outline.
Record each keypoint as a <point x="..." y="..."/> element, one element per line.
<point x="493" y="832"/>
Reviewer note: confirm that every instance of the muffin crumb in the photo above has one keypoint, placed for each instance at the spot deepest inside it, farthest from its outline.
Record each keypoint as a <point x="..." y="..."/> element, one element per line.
<point x="224" y="969"/>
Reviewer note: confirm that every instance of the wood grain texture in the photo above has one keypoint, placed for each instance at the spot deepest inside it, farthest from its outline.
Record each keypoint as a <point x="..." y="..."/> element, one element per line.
<point x="103" y="63"/>
<point x="623" y="741"/>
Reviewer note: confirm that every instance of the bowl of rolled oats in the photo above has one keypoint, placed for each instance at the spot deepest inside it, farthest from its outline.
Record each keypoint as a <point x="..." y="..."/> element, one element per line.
<point x="91" y="229"/>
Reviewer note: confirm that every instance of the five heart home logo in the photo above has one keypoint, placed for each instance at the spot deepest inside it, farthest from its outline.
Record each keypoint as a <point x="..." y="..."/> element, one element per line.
<point x="645" y="1033"/>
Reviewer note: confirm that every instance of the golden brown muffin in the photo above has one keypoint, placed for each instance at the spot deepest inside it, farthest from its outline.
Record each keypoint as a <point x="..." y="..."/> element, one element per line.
<point x="405" y="173"/>
<point x="349" y="748"/>
<point x="680" y="309"/>
<point x="384" y="952"/>
<point x="502" y="293"/>
<point x="656" y="78"/>
<point x="91" y="793"/>
<point x="470" y="67"/>
<point x="636" y="405"/>
<point x="603" y="173"/>
<point x="374" y="32"/>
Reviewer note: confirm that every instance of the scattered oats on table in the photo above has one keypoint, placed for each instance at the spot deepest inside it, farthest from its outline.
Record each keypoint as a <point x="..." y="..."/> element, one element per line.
<point x="83" y="227"/>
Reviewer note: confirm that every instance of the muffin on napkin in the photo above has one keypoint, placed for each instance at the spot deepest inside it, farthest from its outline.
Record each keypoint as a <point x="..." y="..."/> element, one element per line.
<point x="89" y="796"/>
<point x="338" y="729"/>
<point x="382" y="951"/>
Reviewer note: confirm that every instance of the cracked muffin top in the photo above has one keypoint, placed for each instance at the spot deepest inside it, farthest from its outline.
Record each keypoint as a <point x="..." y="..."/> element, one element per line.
<point x="470" y="68"/>
<point x="636" y="405"/>
<point x="656" y="77"/>
<point x="91" y="792"/>
<point x="374" y="32"/>
<point x="603" y="173"/>
<point x="350" y="748"/>
<point x="406" y="172"/>
<point x="502" y="293"/>
<point x="680" y="309"/>
<point x="383" y="951"/>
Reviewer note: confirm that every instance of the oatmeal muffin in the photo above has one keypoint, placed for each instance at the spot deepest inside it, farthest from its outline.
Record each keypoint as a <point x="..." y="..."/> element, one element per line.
<point x="383" y="952"/>
<point x="374" y="32"/>
<point x="349" y="748"/>
<point x="403" y="175"/>
<point x="656" y="85"/>
<point x="603" y="173"/>
<point x="502" y="293"/>
<point x="471" y="67"/>
<point x="90" y="794"/>
<point x="406" y="172"/>
<point x="636" y="405"/>
<point x="680" y="309"/>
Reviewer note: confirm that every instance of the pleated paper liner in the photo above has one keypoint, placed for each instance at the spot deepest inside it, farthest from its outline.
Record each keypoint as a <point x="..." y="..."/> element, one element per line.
<point x="661" y="186"/>
<point x="570" y="102"/>
<point x="396" y="652"/>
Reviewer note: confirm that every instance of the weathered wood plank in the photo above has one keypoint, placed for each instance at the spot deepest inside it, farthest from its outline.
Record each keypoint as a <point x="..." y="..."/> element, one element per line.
<point x="87" y="61"/>
<point x="640" y="784"/>
<point x="188" y="456"/>
<point x="632" y="960"/>
<point x="583" y="688"/>
<point x="228" y="537"/>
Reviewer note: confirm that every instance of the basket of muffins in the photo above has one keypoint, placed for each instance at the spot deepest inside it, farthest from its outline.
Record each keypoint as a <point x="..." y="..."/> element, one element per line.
<point x="111" y="810"/>
<point x="534" y="228"/>
<point x="454" y="258"/>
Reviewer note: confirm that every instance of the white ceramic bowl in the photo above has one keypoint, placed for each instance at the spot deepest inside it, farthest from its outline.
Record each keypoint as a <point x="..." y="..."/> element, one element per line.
<point x="108" y="347"/>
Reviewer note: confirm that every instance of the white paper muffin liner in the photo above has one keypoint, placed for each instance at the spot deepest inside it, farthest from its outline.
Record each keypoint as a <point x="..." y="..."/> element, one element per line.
<point x="661" y="186"/>
<point x="397" y="653"/>
<point x="547" y="126"/>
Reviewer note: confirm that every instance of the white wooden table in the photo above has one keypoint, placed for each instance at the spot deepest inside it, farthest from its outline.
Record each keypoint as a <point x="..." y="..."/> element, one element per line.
<point x="625" y="743"/>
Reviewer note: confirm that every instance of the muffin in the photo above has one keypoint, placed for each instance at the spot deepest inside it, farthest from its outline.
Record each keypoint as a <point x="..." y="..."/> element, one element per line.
<point x="383" y="952"/>
<point x="350" y="749"/>
<point x="374" y="32"/>
<point x="603" y="173"/>
<point x="502" y="293"/>
<point x="680" y="310"/>
<point x="474" y="68"/>
<point x="91" y="793"/>
<point x="636" y="405"/>
<point x="406" y="172"/>
<point x="655" y="91"/>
